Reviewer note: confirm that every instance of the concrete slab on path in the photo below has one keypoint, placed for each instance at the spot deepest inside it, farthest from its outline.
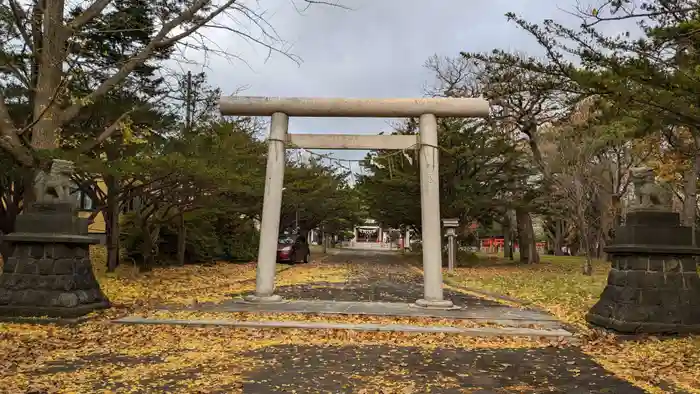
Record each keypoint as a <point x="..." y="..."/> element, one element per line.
<point x="476" y="331"/>
<point x="510" y="320"/>
<point x="487" y="313"/>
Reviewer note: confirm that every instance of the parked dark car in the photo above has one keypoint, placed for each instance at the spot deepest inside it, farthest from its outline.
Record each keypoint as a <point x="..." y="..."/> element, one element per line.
<point x="292" y="249"/>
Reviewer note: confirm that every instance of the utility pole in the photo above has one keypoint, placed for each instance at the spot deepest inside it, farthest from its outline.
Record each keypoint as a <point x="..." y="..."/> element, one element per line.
<point x="189" y="105"/>
<point x="296" y="219"/>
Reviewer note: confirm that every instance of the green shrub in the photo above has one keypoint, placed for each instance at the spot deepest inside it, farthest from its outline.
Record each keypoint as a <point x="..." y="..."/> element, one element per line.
<point x="464" y="259"/>
<point x="130" y="237"/>
<point x="210" y="235"/>
<point x="239" y="239"/>
<point x="202" y="241"/>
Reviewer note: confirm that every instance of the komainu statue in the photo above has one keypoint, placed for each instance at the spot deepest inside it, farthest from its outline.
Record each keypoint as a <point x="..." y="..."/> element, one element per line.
<point x="648" y="194"/>
<point x="54" y="186"/>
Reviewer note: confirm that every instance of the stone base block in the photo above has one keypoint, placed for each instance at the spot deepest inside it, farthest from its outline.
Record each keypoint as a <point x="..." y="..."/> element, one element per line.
<point x="271" y="299"/>
<point x="51" y="279"/>
<point x="650" y="294"/>
<point x="638" y="327"/>
<point x="435" y="304"/>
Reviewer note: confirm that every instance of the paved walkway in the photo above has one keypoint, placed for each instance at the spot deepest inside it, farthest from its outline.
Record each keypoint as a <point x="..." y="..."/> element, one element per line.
<point x="309" y="369"/>
<point x="373" y="369"/>
<point x="383" y="284"/>
<point x="387" y="277"/>
<point x="374" y="276"/>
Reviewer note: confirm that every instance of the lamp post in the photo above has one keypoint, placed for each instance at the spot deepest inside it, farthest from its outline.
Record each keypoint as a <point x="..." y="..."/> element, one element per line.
<point x="296" y="215"/>
<point x="451" y="226"/>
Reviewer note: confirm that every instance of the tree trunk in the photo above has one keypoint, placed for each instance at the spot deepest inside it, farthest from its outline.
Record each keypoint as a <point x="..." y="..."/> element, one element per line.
<point x="600" y="250"/>
<point x="575" y="247"/>
<point x="181" y="239"/>
<point x="689" y="193"/>
<point x="526" y="237"/>
<point x="558" y="237"/>
<point x="588" y="266"/>
<point x="690" y="190"/>
<point x="9" y="215"/>
<point x="325" y="242"/>
<point x="28" y="175"/>
<point x="507" y="238"/>
<point x="523" y="242"/>
<point x="606" y="222"/>
<point x="111" y="216"/>
<point x="534" y="256"/>
<point x="617" y="222"/>
<point x="12" y="207"/>
<point x="49" y="92"/>
<point x="147" y="248"/>
<point x="585" y="242"/>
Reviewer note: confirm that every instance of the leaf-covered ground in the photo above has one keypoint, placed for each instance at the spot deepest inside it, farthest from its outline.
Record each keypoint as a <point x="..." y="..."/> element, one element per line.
<point x="99" y="356"/>
<point x="557" y="285"/>
<point x="193" y="284"/>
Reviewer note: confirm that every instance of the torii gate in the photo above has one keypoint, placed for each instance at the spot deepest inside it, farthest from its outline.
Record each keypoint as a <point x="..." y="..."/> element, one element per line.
<point x="280" y="109"/>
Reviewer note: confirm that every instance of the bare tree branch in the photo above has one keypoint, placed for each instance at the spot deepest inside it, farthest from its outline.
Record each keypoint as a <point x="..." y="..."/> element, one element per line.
<point x="20" y="18"/>
<point x="203" y="21"/>
<point x="89" y="14"/>
<point x="158" y="41"/>
<point x="106" y="133"/>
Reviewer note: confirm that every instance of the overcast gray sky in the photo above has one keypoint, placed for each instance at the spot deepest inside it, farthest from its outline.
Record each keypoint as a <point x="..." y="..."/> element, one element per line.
<point x="377" y="49"/>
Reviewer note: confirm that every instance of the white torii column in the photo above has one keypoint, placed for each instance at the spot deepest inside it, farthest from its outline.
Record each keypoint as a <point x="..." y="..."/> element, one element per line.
<point x="430" y="216"/>
<point x="272" y="207"/>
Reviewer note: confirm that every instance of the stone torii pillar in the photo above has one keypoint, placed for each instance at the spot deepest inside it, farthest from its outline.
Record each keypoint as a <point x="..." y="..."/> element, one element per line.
<point x="427" y="109"/>
<point x="272" y="207"/>
<point x="430" y="215"/>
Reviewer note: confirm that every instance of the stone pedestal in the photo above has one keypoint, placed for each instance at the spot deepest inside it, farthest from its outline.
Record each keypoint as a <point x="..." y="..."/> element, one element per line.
<point x="48" y="270"/>
<point x="653" y="286"/>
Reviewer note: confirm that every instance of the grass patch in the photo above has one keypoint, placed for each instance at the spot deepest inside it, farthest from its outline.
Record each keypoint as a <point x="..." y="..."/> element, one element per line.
<point x="558" y="286"/>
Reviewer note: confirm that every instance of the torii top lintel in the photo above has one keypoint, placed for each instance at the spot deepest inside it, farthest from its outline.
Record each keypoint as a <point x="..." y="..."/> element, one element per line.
<point x="354" y="107"/>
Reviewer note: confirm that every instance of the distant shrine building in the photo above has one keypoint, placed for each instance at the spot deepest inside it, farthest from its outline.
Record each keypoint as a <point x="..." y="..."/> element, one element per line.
<point x="371" y="235"/>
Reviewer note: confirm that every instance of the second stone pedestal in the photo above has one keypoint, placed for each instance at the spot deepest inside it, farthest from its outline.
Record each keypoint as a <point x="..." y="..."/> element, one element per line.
<point x="653" y="285"/>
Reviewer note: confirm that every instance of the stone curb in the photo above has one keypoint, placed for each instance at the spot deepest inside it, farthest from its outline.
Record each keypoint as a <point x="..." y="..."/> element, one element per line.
<point x="478" y="331"/>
